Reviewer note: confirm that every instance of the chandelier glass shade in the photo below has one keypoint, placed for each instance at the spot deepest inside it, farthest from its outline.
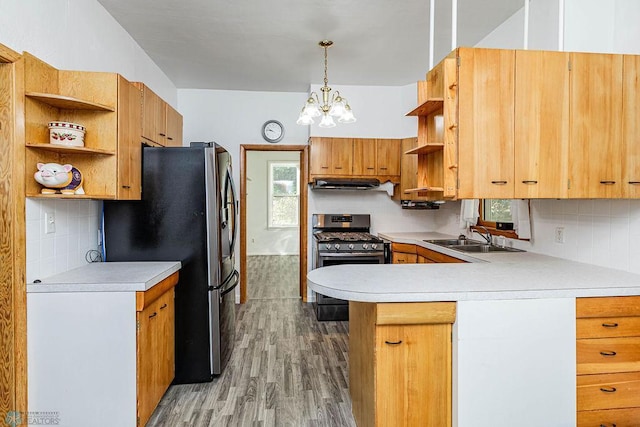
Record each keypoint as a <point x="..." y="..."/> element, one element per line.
<point x="333" y="106"/>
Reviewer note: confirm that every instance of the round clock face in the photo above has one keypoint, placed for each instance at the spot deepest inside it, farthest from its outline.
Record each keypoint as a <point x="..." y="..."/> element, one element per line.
<point x="272" y="131"/>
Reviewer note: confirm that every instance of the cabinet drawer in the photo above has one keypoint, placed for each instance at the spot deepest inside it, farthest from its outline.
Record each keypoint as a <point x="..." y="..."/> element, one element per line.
<point x="608" y="391"/>
<point x="608" y="307"/>
<point x="403" y="247"/>
<point x="413" y="313"/>
<point x="608" y="327"/>
<point x="402" y="258"/>
<point x="627" y="417"/>
<point x="603" y="355"/>
<point x="435" y="256"/>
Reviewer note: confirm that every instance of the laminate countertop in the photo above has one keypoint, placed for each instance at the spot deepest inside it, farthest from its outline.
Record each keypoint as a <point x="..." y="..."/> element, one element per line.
<point x="488" y="276"/>
<point x="108" y="277"/>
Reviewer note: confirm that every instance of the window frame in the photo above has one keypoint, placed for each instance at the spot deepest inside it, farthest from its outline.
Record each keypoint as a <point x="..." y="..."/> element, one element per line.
<point x="491" y="225"/>
<point x="270" y="196"/>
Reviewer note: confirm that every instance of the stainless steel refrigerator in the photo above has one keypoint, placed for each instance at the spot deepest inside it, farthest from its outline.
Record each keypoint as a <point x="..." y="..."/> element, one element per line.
<point x="187" y="213"/>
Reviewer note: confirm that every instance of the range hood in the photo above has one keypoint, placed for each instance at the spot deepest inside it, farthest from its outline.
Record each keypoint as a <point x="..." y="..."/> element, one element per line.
<point x="345" y="183"/>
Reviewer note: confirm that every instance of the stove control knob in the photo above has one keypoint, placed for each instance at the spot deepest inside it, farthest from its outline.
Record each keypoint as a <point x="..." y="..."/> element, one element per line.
<point x="351" y="246"/>
<point x="374" y="246"/>
<point x="328" y="246"/>
<point x="337" y="246"/>
<point x="365" y="246"/>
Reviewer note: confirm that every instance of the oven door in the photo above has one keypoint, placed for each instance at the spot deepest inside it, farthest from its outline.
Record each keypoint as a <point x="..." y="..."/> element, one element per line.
<point x="326" y="259"/>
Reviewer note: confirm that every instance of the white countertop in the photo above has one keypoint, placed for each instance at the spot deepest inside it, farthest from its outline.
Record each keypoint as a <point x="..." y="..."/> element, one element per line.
<point x="488" y="276"/>
<point x="108" y="277"/>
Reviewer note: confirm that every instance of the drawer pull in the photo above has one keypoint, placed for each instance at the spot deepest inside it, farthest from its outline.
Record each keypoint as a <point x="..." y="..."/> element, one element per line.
<point x="126" y="186"/>
<point x="393" y="342"/>
<point x="499" y="182"/>
<point x="608" y="425"/>
<point x="609" y="325"/>
<point x="153" y="315"/>
<point x="608" y="389"/>
<point x="634" y="182"/>
<point x="607" y="182"/>
<point x="163" y="306"/>
<point x="608" y="353"/>
<point x="529" y="181"/>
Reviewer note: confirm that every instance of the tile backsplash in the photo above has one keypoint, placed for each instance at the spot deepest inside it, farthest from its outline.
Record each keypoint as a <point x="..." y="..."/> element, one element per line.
<point x="76" y="232"/>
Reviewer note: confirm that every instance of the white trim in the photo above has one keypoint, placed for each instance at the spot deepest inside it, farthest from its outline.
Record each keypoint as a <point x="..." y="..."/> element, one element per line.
<point x="270" y="165"/>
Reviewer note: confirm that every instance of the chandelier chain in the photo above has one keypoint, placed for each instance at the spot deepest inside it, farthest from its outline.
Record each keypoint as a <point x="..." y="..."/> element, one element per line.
<point x="326" y="80"/>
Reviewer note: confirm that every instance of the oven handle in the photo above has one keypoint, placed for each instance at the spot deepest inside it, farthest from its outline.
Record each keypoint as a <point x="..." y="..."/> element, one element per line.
<point x="351" y="254"/>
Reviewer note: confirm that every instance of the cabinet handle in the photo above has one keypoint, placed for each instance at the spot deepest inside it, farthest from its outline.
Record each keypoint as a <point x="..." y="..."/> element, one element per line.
<point x="169" y="138"/>
<point x="324" y="167"/>
<point x="530" y="181"/>
<point x="609" y="325"/>
<point x="608" y="389"/>
<point x="499" y="182"/>
<point x="634" y="182"/>
<point x="126" y="186"/>
<point x="393" y="342"/>
<point x="153" y="315"/>
<point x="162" y="134"/>
<point x="608" y="353"/>
<point x="607" y="182"/>
<point x="163" y="306"/>
<point x="370" y="168"/>
<point x="608" y="425"/>
<point x="338" y="167"/>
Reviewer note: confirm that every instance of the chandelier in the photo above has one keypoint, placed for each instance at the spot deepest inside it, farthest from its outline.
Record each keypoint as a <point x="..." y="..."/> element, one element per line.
<point x="338" y="107"/>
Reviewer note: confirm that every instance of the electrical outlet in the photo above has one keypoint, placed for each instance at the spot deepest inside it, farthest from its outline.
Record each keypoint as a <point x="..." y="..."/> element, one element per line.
<point x="559" y="235"/>
<point x="49" y="222"/>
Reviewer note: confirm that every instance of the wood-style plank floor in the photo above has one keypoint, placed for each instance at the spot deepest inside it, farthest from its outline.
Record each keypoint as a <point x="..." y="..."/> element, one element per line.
<point x="287" y="369"/>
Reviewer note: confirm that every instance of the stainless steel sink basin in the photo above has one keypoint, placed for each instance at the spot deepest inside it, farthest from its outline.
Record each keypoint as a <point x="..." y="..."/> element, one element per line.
<point x="454" y="242"/>
<point x="483" y="248"/>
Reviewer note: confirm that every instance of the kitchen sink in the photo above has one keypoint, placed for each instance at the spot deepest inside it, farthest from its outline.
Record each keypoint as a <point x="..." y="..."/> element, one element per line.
<point x="483" y="248"/>
<point x="454" y="242"/>
<point x="469" y="245"/>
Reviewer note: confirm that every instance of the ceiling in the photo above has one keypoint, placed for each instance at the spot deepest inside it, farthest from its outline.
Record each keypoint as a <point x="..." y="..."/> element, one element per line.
<point x="273" y="45"/>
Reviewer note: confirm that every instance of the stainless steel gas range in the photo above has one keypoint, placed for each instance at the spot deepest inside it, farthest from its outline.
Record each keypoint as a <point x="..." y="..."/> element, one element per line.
<point x="343" y="239"/>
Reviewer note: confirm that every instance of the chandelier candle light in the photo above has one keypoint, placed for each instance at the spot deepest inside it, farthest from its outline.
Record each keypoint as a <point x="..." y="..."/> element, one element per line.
<point x="338" y="107"/>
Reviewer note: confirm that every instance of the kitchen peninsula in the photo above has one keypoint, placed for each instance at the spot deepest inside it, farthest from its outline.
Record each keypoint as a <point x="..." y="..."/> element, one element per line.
<point x="101" y="342"/>
<point x="490" y="342"/>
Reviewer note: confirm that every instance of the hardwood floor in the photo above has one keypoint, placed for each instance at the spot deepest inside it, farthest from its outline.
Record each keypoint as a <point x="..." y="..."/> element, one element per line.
<point x="273" y="276"/>
<point x="287" y="369"/>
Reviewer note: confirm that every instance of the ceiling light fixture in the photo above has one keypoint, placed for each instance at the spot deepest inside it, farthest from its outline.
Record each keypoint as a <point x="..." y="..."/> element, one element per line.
<point x="338" y="107"/>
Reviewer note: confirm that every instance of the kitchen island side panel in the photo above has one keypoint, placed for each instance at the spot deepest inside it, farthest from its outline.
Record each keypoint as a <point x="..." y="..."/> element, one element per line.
<point x="82" y="357"/>
<point x="514" y="363"/>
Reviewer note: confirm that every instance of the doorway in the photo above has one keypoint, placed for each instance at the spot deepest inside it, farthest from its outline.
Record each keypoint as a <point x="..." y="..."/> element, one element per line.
<point x="280" y="167"/>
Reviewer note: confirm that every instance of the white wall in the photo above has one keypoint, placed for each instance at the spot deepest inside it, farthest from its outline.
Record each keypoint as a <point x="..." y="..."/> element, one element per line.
<point x="72" y="35"/>
<point x="262" y="240"/>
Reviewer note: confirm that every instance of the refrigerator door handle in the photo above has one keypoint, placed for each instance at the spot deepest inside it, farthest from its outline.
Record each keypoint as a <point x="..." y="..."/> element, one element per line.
<point x="233" y="279"/>
<point x="234" y="211"/>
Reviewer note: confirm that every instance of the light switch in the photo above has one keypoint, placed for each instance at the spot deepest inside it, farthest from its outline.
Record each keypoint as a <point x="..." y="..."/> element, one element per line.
<point x="49" y="222"/>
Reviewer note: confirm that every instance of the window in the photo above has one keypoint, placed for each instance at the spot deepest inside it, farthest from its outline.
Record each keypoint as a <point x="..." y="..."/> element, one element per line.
<point x="496" y="210"/>
<point x="284" y="194"/>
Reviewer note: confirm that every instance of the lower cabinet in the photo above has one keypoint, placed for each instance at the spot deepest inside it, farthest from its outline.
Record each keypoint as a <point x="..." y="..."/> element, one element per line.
<point x="426" y="256"/>
<point x="155" y="351"/>
<point x="403" y="253"/>
<point x="400" y="363"/>
<point x="608" y="361"/>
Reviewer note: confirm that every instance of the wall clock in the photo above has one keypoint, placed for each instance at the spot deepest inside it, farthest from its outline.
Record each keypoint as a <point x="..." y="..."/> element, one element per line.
<point x="272" y="131"/>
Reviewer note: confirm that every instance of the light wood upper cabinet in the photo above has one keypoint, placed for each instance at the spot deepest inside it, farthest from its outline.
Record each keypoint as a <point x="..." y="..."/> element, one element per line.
<point x="595" y="121"/>
<point x="173" y="128"/>
<point x="320" y="156"/>
<point x="631" y="127"/>
<point x="486" y="123"/>
<point x="161" y="124"/>
<point x="388" y="156"/>
<point x="541" y="124"/>
<point x="330" y="156"/>
<point x="341" y="156"/>
<point x="129" y="184"/>
<point x="365" y="157"/>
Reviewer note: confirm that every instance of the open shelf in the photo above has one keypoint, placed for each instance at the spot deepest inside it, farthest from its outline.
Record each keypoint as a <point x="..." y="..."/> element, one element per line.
<point x="71" y="196"/>
<point x="426" y="149"/>
<point x="423" y="189"/>
<point x="67" y="102"/>
<point x="71" y="149"/>
<point x="427" y="107"/>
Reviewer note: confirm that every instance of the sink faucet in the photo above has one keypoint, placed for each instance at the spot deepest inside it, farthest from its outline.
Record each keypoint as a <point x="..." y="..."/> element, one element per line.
<point x="486" y="237"/>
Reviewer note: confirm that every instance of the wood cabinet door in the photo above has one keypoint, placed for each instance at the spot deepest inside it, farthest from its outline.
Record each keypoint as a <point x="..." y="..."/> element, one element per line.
<point x="595" y="120"/>
<point x="631" y="127"/>
<point x="173" y="127"/>
<point x="542" y="125"/>
<point x="403" y="258"/>
<point x="129" y="146"/>
<point x="486" y="123"/>
<point x="166" y="354"/>
<point x="341" y="156"/>
<point x="388" y="156"/>
<point x="364" y="156"/>
<point x="153" y="116"/>
<point x="147" y="347"/>
<point x="320" y="156"/>
<point x="413" y="361"/>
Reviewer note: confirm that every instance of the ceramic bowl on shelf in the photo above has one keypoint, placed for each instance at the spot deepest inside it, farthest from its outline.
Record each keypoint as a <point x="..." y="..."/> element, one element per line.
<point x="65" y="133"/>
